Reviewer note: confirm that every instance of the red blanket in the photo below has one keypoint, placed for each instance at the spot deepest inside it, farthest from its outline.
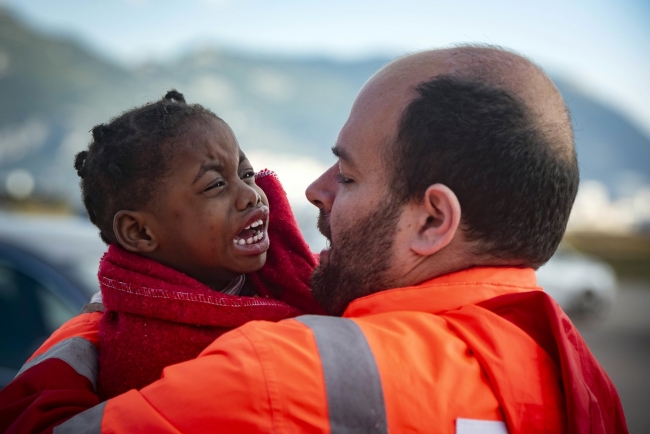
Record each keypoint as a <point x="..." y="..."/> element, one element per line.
<point x="157" y="316"/>
<point x="592" y="405"/>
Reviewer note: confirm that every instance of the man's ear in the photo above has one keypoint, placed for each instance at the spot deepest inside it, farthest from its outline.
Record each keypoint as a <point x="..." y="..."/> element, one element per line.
<point x="133" y="232"/>
<point x="438" y="218"/>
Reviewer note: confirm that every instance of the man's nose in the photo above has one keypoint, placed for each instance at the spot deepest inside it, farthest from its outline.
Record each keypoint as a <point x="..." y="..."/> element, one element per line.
<point x="247" y="197"/>
<point x="323" y="191"/>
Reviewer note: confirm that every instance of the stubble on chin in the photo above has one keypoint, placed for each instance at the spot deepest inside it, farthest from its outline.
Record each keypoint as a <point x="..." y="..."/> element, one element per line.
<point x="359" y="262"/>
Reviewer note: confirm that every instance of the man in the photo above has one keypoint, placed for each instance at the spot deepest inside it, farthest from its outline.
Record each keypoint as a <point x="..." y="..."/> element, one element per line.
<point x="456" y="175"/>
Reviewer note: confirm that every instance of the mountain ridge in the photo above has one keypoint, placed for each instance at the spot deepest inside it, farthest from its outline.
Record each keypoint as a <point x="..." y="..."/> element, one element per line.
<point x="54" y="90"/>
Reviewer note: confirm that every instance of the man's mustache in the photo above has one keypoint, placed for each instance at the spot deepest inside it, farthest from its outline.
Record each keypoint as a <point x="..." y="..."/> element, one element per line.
<point x="323" y="225"/>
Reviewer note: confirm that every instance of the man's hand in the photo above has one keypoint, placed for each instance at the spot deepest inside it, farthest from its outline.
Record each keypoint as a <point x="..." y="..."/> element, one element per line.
<point x="95" y="304"/>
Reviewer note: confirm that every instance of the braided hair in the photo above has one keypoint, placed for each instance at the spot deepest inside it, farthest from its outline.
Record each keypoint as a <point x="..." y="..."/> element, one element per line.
<point x="128" y="154"/>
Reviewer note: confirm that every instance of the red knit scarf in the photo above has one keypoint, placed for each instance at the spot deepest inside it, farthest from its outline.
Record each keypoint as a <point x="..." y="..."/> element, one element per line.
<point x="157" y="316"/>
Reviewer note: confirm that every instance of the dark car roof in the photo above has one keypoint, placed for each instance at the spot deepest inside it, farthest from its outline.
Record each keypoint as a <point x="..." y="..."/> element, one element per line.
<point x="69" y="243"/>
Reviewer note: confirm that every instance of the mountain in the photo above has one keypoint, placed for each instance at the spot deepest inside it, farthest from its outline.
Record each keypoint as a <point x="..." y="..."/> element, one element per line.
<point x="40" y="73"/>
<point x="280" y="104"/>
<point x="47" y="84"/>
<point x="54" y="90"/>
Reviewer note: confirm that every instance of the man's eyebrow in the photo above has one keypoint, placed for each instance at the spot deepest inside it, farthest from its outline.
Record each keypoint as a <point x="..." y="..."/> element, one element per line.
<point x="343" y="155"/>
<point x="206" y="167"/>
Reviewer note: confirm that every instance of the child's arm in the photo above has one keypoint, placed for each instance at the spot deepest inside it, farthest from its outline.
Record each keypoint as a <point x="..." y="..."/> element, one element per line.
<point x="289" y="262"/>
<point x="57" y="382"/>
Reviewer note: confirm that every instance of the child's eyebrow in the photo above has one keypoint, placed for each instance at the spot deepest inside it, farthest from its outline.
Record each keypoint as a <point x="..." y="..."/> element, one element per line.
<point x="206" y="168"/>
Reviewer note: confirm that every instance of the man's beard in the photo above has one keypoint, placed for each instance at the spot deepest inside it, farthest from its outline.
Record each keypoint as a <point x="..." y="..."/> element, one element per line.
<point x="359" y="261"/>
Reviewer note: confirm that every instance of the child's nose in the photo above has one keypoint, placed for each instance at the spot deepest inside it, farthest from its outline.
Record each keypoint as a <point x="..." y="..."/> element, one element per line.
<point x="248" y="197"/>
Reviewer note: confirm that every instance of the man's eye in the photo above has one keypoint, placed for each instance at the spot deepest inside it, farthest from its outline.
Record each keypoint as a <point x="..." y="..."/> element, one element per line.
<point x="343" y="180"/>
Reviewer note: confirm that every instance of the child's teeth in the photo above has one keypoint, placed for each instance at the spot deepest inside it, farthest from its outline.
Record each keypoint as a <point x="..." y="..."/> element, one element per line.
<point x="255" y="224"/>
<point x="253" y="239"/>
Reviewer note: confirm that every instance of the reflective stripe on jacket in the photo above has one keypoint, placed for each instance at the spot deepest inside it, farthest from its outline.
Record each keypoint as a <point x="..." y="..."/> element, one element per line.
<point x="57" y="382"/>
<point x="417" y="359"/>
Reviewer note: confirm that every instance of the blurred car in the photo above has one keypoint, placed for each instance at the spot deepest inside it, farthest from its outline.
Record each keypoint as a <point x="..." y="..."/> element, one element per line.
<point x="578" y="282"/>
<point x="48" y="272"/>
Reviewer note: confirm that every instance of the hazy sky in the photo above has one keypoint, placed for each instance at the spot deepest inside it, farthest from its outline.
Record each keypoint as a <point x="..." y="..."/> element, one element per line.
<point x="600" y="45"/>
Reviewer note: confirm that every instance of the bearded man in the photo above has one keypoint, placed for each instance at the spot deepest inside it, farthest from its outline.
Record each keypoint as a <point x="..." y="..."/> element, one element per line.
<point x="455" y="178"/>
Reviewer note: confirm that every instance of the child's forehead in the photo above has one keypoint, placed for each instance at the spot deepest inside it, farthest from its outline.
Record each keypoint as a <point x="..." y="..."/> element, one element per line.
<point x="213" y="127"/>
<point x="211" y="139"/>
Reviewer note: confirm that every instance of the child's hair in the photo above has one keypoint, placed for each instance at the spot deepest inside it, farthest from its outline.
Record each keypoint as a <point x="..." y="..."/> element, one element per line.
<point x="128" y="154"/>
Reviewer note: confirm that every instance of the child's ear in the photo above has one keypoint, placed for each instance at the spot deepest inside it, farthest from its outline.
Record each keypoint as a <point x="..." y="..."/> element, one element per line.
<point x="133" y="233"/>
<point x="438" y="219"/>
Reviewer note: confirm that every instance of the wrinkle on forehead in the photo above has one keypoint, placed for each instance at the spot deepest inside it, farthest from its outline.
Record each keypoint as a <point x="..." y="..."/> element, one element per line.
<point x="205" y="141"/>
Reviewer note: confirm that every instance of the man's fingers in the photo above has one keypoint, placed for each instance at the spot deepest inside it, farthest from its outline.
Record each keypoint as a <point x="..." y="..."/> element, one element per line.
<point x="93" y="307"/>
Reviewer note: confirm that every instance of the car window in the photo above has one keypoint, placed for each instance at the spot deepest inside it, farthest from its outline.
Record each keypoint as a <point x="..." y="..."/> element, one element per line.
<point x="29" y="313"/>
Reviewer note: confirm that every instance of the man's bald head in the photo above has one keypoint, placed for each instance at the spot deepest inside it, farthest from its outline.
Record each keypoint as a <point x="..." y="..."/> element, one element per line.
<point x="492" y="126"/>
<point x="494" y="67"/>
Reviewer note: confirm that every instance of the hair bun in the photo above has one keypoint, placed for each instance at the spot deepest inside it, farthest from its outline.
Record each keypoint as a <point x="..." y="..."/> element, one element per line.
<point x="174" y="95"/>
<point x="100" y="132"/>
<point x="79" y="163"/>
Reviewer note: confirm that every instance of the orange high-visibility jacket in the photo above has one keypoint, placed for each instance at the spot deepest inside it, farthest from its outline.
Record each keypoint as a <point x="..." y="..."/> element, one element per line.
<point x="430" y="358"/>
<point x="57" y="382"/>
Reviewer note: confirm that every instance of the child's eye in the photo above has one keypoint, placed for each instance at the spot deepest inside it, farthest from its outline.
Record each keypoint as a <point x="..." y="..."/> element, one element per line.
<point x="216" y="184"/>
<point x="248" y="175"/>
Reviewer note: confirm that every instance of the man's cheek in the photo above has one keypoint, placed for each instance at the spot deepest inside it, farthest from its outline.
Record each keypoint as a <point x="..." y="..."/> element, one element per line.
<point x="336" y="227"/>
<point x="346" y="212"/>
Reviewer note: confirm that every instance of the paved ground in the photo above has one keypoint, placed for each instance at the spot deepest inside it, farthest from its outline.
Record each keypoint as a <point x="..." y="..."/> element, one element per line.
<point x="621" y="343"/>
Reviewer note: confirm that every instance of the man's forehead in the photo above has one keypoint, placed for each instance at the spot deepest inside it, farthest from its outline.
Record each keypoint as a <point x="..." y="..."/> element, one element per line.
<point x="358" y="148"/>
<point x="343" y="154"/>
<point x="373" y="120"/>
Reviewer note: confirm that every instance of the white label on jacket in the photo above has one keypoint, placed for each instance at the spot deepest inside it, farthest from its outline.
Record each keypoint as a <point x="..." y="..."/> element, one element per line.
<point x="475" y="426"/>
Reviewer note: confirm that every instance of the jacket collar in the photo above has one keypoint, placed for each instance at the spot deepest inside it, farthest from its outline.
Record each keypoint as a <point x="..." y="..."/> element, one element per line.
<point x="447" y="292"/>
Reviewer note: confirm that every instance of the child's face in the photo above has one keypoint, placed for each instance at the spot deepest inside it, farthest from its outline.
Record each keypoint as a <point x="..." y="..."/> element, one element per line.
<point x="204" y="206"/>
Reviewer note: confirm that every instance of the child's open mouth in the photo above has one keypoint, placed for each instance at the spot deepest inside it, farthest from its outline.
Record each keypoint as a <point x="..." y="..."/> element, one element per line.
<point x="251" y="234"/>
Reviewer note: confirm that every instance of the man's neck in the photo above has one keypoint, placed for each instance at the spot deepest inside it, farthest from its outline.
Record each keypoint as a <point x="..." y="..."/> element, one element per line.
<point x="452" y="259"/>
